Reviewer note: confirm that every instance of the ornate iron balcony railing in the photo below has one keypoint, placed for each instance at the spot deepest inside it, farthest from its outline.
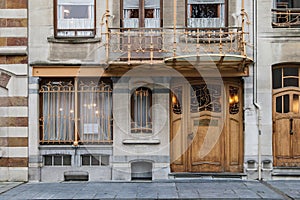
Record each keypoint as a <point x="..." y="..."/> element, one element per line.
<point x="156" y="44"/>
<point x="286" y="18"/>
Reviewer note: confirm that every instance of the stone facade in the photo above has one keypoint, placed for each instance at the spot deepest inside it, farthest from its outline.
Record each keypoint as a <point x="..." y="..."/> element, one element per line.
<point x="13" y="91"/>
<point x="24" y="156"/>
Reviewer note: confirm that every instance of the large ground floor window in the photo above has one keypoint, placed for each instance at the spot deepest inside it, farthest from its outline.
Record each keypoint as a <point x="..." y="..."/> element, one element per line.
<point x="75" y="110"/>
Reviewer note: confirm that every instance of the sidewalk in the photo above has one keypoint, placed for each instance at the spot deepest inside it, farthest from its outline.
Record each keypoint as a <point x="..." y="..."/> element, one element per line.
<point x="169" y="189"/>
<point x="5" y="186"/>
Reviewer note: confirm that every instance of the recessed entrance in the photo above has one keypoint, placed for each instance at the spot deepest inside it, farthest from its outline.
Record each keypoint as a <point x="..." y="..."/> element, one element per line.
<point x="206" y="126"/>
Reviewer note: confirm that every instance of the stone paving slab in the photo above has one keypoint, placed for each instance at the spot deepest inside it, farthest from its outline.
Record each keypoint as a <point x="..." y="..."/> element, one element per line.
<point x="5" y="186"/>
<point x="168" y="189"/>
<point x="291" y="188"/>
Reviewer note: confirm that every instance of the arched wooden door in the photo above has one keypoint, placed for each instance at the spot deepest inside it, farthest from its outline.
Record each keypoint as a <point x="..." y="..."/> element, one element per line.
<point x="206" y="129"/>
<point x="286" y="117"/>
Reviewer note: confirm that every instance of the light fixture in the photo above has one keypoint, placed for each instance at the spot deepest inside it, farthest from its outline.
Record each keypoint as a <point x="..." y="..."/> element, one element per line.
<point x="174" y="100"/>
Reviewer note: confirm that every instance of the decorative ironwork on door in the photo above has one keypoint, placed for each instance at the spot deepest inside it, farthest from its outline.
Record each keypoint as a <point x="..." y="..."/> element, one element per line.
<point x="205" y="98"/>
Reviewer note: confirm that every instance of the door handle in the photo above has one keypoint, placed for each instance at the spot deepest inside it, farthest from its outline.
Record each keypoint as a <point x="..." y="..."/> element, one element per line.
<point x="291" y="126"/>
<point x="191" y="136"/>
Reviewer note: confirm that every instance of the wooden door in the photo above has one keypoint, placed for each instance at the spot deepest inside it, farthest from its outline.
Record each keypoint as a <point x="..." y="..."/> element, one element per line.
<point x="286" y="128"/>
<point x="206" y="132"/>
<point x="206" y="141"/>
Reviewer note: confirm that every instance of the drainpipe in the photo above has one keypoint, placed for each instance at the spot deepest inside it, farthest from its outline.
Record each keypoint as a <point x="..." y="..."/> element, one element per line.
<point x="174" y="28"/>
<point x="255" y="103"/>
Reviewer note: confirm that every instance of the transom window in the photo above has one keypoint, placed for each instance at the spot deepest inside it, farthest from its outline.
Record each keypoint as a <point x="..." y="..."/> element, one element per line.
<point x="69" y="107"/>
<point x="285" y="77"/>
<point x="286" y="80"/>
<point x="141" y="13"/>
<point x="74" y="18"/>
<point x="205" y="13"/>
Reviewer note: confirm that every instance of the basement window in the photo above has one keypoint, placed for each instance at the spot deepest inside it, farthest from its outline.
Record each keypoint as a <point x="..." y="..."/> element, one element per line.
<point x="95" y="160"/>
<point x="57" y="160"/>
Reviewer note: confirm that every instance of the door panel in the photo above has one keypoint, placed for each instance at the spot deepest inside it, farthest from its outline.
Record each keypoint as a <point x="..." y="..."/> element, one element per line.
<point x="296" y="140"/>
<point x="234" y="141"/>
<point x="178" y="141"/>
<point x="283" y="138"/>
<point x="234" y="137"/>
<point x="206" y="147"/>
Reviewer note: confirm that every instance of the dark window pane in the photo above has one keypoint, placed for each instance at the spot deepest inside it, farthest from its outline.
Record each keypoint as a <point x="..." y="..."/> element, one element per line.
<point x="205" y="11"/>
<point x="277" y="78"/>
<point x="67" y="160"/>
<point x="105" y="160"/>
<point x="290" y="71"/>
<point x="85" y="160"/>
<point x="279" y="104"/>
<point x="149" y="13"/>
<point x="48" y="160"/>
<point x="286" y="103"/>
<point x="95" y="160"/>
<point x="58" y="160"/>
<point x="291" y="82"/>
<point x="132" y="13"/>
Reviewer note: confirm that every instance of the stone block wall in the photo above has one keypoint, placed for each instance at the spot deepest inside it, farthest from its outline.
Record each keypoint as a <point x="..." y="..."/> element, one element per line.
<point x="13" y="91"/>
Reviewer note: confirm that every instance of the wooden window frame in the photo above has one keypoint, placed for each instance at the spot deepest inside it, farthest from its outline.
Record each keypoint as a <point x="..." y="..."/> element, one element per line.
<point x="141" y="13"/>
<point x="56" y="30"/>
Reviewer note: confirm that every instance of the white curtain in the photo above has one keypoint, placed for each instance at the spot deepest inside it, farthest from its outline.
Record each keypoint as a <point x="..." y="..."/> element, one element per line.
<point x="95" y="112"/>
<point x="58" y="112"/>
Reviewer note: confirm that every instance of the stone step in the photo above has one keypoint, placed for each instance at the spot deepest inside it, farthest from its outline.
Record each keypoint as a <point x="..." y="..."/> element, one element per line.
<point x="279" y="173"/>
<point x="183" y="175"/>
<point x="76" y="176"/>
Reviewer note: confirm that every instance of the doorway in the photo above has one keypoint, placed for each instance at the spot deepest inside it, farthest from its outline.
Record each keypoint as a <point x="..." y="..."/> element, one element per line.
<point x="286" y="116"/>
<point x="207" y="126"/>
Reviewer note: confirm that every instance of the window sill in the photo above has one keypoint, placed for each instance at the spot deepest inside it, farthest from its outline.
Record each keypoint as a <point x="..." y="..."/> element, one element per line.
<point x="73" y="40"/>
<point x="141" y="141"/>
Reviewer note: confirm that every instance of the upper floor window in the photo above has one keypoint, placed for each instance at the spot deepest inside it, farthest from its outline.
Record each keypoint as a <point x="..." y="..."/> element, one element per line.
<point x="74" y="18"/>
<point x="286" y="14"/>
<point x="141" y="13"/>
<point x="205" y="13"/>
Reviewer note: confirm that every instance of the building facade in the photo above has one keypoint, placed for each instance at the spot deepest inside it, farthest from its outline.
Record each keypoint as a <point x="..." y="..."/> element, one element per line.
<point x="138" y="89"/>
<point x="13" y="91"/>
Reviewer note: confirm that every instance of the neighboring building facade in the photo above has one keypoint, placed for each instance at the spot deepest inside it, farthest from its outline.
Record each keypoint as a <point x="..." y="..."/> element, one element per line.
<point x="138" y="89"/>
<point x="277" y="83"/>
<point x="13" y="91"/>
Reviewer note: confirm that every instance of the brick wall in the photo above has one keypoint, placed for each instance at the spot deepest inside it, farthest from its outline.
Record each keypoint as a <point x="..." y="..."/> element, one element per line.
<point x="13" y="90"/>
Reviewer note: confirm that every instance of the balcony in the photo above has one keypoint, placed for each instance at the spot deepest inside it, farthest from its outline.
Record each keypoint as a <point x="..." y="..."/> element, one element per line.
<point x="286" y="18"/>
<point x="224" y="47"/>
